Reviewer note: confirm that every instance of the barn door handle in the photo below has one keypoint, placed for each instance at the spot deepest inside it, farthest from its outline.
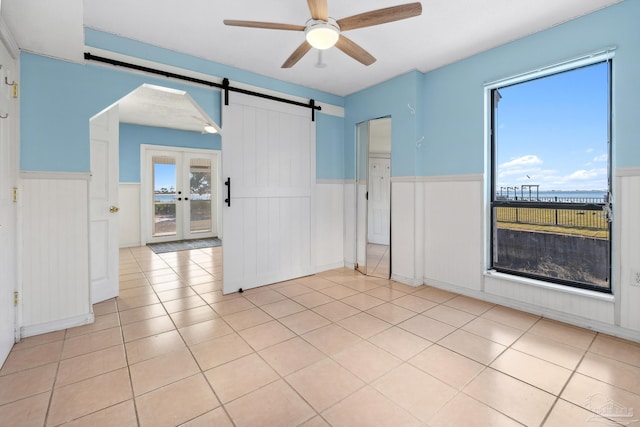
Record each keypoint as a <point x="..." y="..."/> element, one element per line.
<point x="228" y="199"/>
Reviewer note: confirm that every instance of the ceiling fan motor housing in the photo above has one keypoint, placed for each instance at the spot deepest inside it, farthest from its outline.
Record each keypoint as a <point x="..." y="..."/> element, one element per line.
<point x="322" y="34"/>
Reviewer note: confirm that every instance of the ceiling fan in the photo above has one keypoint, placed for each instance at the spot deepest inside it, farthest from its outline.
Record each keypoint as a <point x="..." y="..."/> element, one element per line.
<point x="323" y="32"/>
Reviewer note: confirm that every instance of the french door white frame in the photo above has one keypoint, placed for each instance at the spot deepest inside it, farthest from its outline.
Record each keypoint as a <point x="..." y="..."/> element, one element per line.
<point x="146" y="189"/>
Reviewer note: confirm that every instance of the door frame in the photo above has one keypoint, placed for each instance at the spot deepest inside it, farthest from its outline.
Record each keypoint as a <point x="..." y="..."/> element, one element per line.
<point x="366" y="163"/>
<point x="146" y="190"/>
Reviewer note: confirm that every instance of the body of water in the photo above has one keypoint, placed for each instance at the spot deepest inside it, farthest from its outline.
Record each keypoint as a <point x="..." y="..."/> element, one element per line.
<point x="169" y="198"/>
<point x="596" y="196"/>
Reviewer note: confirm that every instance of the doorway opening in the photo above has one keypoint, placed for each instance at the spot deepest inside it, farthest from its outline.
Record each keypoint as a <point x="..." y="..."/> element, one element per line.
<point x="115" y="203"/>
<point x="373" y="192"/>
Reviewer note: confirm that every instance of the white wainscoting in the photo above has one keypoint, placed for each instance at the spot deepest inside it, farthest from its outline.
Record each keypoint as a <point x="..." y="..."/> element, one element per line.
<point x="54" y="252"/>
<point x="405" y="231"/>
<point x="453" y="230"/>
<point x="129" y="220"/>
<point x="329" y="224"/>
<point x="627" y="247"/>
<point x="349" y="223"/>
<point x="556" y="301"/>
<point x="455" y="251"/>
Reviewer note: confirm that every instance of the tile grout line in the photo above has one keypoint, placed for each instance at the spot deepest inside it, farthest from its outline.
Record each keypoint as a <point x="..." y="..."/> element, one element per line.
<point x="55" y="378"/>
<point x="126" y="353"/>
<point x="573" y="372"/>
<point x="194" y="357"/>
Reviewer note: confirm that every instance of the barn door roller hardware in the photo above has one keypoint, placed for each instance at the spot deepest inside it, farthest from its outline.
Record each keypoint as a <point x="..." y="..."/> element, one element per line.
<point x="225" y="85"/>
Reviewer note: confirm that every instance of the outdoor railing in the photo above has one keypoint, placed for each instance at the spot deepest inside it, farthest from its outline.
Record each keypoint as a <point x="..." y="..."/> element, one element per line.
<point x="594" y="219"/>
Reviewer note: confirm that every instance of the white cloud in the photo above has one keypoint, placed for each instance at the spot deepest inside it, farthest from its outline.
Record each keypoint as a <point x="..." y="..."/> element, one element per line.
<point x="590" y="150"/>
<point x="601" y="158"/>
<point x="581" y="175"/>
<point x="583" y="179"/>
<point x="527" y="170"/>
<point x="528" y="160"/>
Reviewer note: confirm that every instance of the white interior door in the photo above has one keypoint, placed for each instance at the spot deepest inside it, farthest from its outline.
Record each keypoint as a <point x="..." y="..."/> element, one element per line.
<point x="181" y="194"/>
<point x="269" y="156"/>
<point x="8" y="223"/>
<point x="379" y="201"/>
<point x="103" y="205"/>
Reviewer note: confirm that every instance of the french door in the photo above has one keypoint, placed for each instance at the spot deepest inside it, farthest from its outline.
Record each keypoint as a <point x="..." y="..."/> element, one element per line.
<point x="181" y="194"/>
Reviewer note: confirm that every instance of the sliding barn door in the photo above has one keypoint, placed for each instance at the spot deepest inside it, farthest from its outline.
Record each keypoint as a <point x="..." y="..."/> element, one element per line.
<point x="268" y="157"/>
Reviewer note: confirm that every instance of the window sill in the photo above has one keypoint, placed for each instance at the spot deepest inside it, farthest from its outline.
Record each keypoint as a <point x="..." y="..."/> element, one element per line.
<point x="550" y="286"/>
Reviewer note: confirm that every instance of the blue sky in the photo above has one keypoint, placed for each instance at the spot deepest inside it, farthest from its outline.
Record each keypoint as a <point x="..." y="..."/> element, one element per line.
<point x="165" y="176"/>
<point x="553" y="131"/>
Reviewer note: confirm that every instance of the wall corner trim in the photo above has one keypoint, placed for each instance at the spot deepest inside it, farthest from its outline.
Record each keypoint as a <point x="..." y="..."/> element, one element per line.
<point x="630" y="171"/>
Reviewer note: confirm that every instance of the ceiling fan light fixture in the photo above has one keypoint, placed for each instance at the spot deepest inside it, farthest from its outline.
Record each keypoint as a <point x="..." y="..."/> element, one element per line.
<point x="322" y="34"/>
<point x="210" y="129"/>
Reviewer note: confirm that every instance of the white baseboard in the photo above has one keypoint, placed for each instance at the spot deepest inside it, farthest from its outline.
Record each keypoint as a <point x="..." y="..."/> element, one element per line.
<point x="326" y="267"/>
<point x="56" y="325"/>
<point x="411" y="281"/>
<point x="130" y="245"/>
<point x="579" y="321"/>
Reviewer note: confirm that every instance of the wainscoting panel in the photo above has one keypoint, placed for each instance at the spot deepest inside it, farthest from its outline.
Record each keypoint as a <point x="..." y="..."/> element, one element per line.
<point x="329" y="225"/>
<point x="350" y="223"/>
<point x="453" y="231"/>
<point x="403" y="232"/>
<point x="627" y="216"/>
<point x="55" y="252"/>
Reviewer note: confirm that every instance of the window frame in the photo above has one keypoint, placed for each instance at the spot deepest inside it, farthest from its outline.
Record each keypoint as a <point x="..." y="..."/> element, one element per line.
<point x="491" y="88"/>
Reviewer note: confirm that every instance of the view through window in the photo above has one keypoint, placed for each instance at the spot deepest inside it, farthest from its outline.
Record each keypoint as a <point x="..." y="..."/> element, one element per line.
<point x="550" y="183"/>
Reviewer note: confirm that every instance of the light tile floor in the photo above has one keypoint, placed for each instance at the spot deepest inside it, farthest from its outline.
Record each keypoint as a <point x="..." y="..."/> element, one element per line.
<point x="337" y="348"/>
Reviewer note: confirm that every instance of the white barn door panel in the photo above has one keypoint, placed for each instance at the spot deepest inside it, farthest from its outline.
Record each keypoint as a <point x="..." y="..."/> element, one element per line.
<point x="268" y="152"/>
<point x="103" y="205"/>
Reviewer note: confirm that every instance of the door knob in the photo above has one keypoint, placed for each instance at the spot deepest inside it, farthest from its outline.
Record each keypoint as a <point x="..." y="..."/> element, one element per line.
<point x="114" y="209"/>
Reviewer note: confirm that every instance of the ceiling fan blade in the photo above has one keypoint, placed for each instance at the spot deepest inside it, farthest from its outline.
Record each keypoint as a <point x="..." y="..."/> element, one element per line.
<point x="318" y="9"/>
<point x="297" y="55"/>
<point x="355" y="51"/>
<point x="380" y="16"/>
<point x="267" y="25"/>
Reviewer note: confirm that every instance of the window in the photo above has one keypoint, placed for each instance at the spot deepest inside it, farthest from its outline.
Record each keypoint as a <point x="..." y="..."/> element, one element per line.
<point x="551" y="191"/>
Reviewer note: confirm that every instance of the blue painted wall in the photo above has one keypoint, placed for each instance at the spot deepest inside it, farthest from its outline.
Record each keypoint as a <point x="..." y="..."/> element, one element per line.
<point x="397" y="98"/>
<point x="58" y="98"/>
<point x="131" y="136"/>
<point x="329" y="147"/>
<point x="445" y="106"/>
<point x="453" y="96"/>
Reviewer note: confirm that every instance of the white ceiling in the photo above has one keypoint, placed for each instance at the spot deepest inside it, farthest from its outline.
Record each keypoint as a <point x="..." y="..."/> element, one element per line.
<point x="151" y="105"/>
<point x="447" y="31"/>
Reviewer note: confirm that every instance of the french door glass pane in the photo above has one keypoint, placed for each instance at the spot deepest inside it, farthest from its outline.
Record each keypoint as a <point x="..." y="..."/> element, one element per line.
<point x="164" y="196"/>
<point x="200" y="195"/>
